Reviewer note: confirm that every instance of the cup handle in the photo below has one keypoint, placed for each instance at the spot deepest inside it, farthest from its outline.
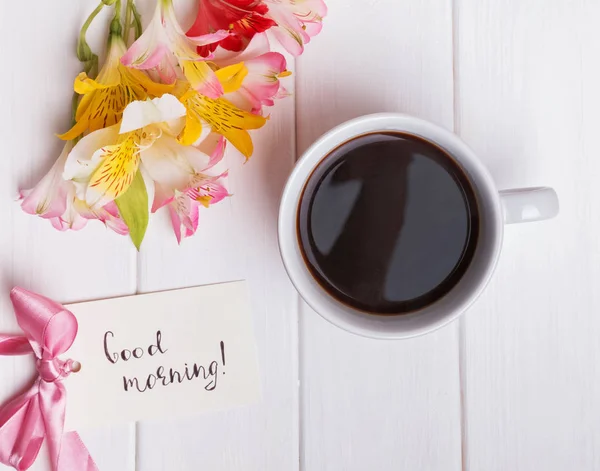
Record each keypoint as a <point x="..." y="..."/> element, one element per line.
<point x="529" y="204"/>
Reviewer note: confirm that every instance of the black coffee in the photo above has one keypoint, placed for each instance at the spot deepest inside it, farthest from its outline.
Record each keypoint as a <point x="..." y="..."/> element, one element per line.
<point x="388" y="223"/>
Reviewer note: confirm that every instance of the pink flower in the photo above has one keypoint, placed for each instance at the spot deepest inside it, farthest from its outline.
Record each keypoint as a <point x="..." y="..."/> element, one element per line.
<point x="185" y="194"/>
<point x="184" y="216"/>
<point x="48" y="199"/>
<point x="263" y="69"/>
<point x="208" y="190"/>
<point x="164" y="45"/>
<point x="70" y="219"/>
<point x="297" y="21"/>
<point x="54" y="198"/>
<point x="184" y="206"/>
<point x="261" y="85"/>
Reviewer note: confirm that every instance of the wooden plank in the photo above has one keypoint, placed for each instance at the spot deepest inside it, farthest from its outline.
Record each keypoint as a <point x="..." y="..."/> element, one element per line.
<point x="528" y="75"/>
<point x="236" y="239"/>
<point x="37" y="45"/>
<point x="370" y="404"/>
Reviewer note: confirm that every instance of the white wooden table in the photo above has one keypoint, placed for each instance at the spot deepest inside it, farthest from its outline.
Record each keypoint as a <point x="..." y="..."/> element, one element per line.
<point x="514" y="385"/>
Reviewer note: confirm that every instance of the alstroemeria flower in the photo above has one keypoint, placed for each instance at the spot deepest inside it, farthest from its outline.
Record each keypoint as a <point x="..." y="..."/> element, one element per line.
<point x="199" y="189"/>
<point x="184" y="206"/>
<point x="261" y="85"/>
<point x="48" y="199"/>
<point x="297" y="21"/>
<point x="220" y="116"/>
<point x="104" y="163"/>
<point x="191" y="189"/>
<point x="104" y="99"/>
<point x="212" y="145"/>
<point x="184" y="216"/>
<point x="243" y="18"/>
<point x="71" y="219"/>
<point x="164" y="45"/>
<point x="54" y="198"/>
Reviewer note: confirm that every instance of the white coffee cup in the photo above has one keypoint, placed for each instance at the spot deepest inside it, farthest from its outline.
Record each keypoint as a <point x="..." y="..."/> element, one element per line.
<point x="495" y="210"/>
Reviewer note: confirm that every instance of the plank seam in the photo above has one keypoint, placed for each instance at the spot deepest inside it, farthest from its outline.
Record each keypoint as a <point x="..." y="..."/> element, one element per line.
<point x="462" y="344"/>
<point x="298" y="303"/>
<point x="136" y="430"/>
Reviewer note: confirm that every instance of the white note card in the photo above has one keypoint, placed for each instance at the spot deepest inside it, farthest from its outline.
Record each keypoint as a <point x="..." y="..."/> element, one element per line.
<point x="162" y="355"/>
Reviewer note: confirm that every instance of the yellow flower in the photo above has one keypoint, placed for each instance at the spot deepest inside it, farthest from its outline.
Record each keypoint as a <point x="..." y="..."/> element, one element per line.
<point x="219" y="114"/>
<point x="222" y="117"/>
<point x="104" y="164"/>
<point x="104" y="99"/>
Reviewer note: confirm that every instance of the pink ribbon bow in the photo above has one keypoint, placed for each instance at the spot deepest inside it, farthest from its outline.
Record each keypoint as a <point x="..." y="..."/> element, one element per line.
<point x="39" y="413"/>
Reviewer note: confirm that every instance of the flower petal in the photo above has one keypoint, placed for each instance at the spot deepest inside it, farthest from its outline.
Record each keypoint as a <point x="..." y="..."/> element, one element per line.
<point x="109" y="215"/>
<point x="184" y="216"/>
<point x="48" y="198"/>
<point x="202" y="78"/>
<point x="162" y="196"/>
<point x="192" y="130"/>
<point x="214" y="146"/>
<point x="290" y="39"/>
<point x="225" y="119"/>
<point x="242" y="18"/>
<point x="208" y="190"/>
<point x="83" y="84"/>
<point x="77" y="130"/>
<point x="143" y="113"/>
<point x="259" y="45"/>
<point x="118" y="165"/>
<point x="79" y="165"/>
<point x="261" y="84"/>
<point x="167" y="69"/>
<point x="175" y="38"/>
<point x="148" y="50"/>
<point x="297" y="20"/>
<point x="137" y="78"/>
<point x="165" y="165"/>
<point x="210" y="38"/>
<point x="231" y="77"/>
<point x="70" y="219"/>
<point x="176" y="222"/>
<point x="171" y="164"/>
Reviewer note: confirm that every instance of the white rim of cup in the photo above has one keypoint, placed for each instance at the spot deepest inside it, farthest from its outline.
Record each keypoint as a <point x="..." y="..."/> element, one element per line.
<point x="336" y="312"/>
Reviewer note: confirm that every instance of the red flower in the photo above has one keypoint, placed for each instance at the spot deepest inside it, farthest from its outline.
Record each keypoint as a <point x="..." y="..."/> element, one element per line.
<point x="243" y="18"/>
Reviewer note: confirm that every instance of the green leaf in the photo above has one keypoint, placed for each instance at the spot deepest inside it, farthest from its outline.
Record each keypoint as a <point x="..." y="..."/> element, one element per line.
<point x="133" y="206"/>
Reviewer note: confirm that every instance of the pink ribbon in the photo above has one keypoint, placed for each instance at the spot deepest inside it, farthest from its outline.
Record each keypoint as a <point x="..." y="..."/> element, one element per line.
<point x="39" y="413"/>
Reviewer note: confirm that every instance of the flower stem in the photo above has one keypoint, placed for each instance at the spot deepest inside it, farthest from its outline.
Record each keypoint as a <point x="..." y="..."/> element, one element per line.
<point x="137" y="20"/>
<point x="84" y="52"/>
<point x="91" y="18"/>
<point x="132" y="18"/>
<point x="118" y="10"/>
<point x="115" y="25"/>
<point x="128" y="21"/>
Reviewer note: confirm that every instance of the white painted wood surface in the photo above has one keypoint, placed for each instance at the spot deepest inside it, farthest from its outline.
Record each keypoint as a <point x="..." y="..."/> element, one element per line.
<point x="36" y="81"/>
<point x="519" y="81"/>
<point x="368" y="404"/>
<point x="528" y="100"/>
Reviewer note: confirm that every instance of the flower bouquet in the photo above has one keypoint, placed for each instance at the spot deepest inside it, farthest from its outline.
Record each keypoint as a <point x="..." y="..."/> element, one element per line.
<point x="153" y="121"/>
